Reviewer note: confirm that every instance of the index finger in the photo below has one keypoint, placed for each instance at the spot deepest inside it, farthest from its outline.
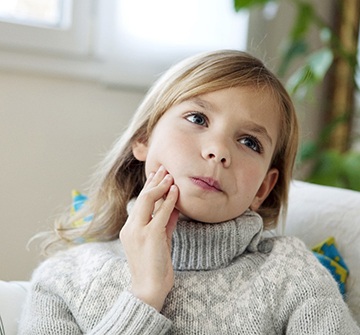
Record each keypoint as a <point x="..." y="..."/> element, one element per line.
<point x="146" y="202"/>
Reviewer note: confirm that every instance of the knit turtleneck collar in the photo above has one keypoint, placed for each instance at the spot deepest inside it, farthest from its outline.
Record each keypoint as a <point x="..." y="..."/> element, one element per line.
<point x="208" y="246"/>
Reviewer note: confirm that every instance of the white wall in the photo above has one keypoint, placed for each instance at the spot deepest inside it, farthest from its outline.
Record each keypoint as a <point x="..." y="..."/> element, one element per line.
<point x="52" y="133"/>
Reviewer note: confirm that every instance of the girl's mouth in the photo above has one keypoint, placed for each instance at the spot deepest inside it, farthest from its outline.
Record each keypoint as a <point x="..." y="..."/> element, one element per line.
<point x="206" y="183"/>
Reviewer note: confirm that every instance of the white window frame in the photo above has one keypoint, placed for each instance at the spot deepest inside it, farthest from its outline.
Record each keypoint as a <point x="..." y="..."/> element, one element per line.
<point x="72" y="40"/>
<point x="60" y="52"/>
<point x="88" y="50"/>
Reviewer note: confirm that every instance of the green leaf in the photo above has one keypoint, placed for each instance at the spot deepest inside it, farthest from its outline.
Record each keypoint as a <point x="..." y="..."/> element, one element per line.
<point x="303" y="21"/>
<point x="246" y="4"/>
<point x="328" y="169"/>
<point x="301" y="81"/>
<point x="337" y="169"/>
<point x="329" y="128"/>
<point x="320" y="62"/>
<point x="308" y="150"/>
<point x="310" y="74"/>
<point x="351" y="170"/>
<point x="326" y="35"/>
<point x="291" y="50"/>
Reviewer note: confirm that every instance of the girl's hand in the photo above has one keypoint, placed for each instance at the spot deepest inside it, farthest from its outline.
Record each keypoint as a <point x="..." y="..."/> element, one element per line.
<point x="146" y="238"/>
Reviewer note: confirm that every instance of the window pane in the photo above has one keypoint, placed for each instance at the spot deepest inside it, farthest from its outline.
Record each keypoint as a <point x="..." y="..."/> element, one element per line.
<point x="140" y="38"/>
<point x="186" y="23"/>
<point x="50" y="13"/>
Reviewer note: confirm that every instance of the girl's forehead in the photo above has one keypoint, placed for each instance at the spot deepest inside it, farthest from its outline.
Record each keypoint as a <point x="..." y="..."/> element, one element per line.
<point x="262" y="94"/>
<point x="241" y="99"/>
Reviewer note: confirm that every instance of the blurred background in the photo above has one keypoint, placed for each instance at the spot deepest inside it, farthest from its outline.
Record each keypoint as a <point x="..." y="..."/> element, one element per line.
<point x="72" y="73"/>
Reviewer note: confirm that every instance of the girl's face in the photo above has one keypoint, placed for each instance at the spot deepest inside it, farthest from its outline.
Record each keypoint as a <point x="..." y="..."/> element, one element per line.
<point x="218" y="148"/>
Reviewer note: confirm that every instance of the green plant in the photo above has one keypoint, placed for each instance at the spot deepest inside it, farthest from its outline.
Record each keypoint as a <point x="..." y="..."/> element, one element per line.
<point x="331" y="160"/>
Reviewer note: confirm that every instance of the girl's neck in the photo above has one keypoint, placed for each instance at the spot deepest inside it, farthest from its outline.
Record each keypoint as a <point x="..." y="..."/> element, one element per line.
<point x="208" y="246"/>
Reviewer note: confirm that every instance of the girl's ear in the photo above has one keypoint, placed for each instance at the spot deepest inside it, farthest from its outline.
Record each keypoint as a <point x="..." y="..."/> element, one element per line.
<point x="140" y="150"/>
<point x="265" y="188"/>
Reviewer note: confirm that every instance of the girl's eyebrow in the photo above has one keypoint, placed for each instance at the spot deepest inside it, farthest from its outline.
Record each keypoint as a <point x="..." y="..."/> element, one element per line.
<point x="201" y="103"/>
<point x="258" y="129"/>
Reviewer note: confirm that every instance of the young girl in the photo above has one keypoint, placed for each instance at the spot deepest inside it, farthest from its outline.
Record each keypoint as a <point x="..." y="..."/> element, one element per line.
<point x="174" y="241"/>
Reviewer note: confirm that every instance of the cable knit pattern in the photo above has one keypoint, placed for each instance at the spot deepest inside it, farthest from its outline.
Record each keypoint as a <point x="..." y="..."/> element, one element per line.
<point x="227" y="281"/>
<point x="219" y="243"/>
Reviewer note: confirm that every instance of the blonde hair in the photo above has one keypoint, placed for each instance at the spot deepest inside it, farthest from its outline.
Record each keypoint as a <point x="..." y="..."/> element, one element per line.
<point x="120" y="177"/>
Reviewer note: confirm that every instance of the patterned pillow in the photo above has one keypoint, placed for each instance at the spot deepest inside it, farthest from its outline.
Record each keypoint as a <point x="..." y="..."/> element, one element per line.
<point x="78" y="202"/>
<point x="329" y="256"/>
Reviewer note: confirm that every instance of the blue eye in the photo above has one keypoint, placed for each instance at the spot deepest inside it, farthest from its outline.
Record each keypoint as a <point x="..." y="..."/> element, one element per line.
<point x="252" y="143"/>
<point x="197" y="118"/>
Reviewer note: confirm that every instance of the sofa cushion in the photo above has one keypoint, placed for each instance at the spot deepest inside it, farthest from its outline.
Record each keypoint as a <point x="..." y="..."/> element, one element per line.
<point x="12" y="295"/>
<point x="317" y="212"/>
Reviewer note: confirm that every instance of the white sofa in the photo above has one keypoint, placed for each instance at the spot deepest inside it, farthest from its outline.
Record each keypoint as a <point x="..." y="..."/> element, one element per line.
<point x="12" y="296"/>
<point x="315" y="213"/>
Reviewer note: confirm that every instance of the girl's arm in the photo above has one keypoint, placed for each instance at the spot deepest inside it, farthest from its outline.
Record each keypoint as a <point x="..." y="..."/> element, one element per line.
<point x="329" y="315"/>
<point x="55" y="306"/>
<point x="307" y="299"/>
<point x="46" y="313"/>
<point x="322" y="309"/>
<point x="146" y="238"/>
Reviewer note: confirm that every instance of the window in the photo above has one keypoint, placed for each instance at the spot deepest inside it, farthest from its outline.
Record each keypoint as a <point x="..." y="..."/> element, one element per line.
<point x="121" y="42"/>
<point x="46" y="13"/>
<point x="143" y="38"/>
<point x="51" y="26"/>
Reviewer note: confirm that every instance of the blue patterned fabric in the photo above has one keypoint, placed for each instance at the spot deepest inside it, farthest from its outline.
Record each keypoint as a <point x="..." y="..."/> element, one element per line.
<point x="78" y="202"/>
<point x="329" y="256"/>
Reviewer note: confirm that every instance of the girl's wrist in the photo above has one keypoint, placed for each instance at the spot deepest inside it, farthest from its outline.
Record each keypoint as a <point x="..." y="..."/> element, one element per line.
<point x="155" y="300"/>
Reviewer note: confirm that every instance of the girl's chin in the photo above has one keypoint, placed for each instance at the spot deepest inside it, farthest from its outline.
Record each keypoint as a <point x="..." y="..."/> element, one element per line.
<point x="189" y="211"/>
<point x="201" y="217"/>
<point x="183" y="217"/>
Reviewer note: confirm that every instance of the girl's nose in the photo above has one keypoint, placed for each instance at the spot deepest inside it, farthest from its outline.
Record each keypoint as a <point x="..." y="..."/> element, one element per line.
<point x="218" y="153"/>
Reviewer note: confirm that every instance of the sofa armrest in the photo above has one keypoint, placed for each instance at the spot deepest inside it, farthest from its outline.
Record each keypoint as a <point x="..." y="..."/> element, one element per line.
<point x="12" y="298"/>
<point x="317" y="212"/>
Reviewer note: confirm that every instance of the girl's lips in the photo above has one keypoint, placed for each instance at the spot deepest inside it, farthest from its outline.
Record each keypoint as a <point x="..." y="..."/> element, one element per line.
<point x="207" y="183"/>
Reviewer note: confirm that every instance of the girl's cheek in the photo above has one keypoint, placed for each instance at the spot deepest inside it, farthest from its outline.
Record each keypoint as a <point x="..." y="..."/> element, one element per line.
<point x="151" y="168"/>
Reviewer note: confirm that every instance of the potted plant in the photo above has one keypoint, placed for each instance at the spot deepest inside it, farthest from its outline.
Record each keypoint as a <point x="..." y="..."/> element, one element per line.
<point x="330" y="158"/>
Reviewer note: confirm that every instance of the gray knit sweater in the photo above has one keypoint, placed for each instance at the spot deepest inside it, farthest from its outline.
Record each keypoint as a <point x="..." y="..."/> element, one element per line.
<point x="227" y="281"/>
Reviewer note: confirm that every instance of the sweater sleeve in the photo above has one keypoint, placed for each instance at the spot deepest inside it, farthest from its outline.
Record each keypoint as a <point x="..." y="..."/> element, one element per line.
<point x="84" y="291"/>
<point x="326" y="316"/>
<point x="308" y="300"/>
<point x="46" y="314"/>
<point x="132" y="316"/>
